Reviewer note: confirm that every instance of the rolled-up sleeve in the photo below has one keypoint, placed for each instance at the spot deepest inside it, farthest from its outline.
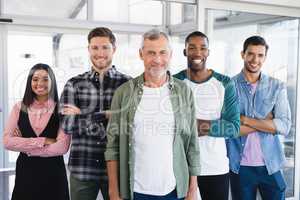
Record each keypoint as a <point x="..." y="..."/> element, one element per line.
<point x="193" y="157"/>
<point x="113" y="129"/>
<point x="282" y="112"/>
<point x="60" y="147"/>
<point x="16" y="143"/>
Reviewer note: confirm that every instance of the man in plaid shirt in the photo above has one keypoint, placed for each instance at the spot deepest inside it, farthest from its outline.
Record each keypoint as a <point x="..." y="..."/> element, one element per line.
<point x="85" y="104"/>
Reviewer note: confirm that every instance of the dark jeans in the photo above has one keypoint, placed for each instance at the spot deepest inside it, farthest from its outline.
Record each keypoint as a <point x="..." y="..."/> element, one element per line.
<point x="214" y="187"/>
<point x="251" y="179"/>
<point x="87" y="190"/>
<point x="171" y="196"/>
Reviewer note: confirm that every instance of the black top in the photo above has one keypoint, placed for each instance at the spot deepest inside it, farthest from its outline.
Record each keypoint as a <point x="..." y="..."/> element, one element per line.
<point x="40" y="177"/>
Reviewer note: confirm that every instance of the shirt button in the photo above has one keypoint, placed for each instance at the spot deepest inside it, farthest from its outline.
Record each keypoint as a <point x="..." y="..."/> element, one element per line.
<point x="129" y="144"/>
<point x="140" y="92"/>
<point x="98" y="143"/>
<point x="97" y="161"/>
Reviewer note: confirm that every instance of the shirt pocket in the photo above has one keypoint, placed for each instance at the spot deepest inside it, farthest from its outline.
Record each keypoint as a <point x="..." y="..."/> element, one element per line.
<point x="87" y="99"/>
<point x="265" y="107"/>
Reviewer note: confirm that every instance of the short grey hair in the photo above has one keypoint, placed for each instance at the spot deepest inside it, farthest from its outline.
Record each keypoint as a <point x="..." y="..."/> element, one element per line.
<point x="154" y="34"/>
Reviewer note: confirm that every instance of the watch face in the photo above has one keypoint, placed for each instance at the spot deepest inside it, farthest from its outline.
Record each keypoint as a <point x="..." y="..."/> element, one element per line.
<point x="96" y="129"/>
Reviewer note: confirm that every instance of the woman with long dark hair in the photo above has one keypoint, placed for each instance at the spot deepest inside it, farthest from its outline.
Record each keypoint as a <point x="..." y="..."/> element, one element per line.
<point x="33" y="130"/>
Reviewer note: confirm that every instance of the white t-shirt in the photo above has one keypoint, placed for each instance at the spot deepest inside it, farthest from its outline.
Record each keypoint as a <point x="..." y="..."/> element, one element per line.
<point x="153" y="138"/>
<point x="209" y="98"/>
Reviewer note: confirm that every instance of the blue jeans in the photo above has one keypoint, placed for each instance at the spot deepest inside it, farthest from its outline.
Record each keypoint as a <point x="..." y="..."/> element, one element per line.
<point x="251" y="179"/>
<point x="171" y="196"/>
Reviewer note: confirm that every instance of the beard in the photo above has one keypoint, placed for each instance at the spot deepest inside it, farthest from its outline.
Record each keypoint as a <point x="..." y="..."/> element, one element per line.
<point x="101" y="66"/>
<point x="158" y="73"/>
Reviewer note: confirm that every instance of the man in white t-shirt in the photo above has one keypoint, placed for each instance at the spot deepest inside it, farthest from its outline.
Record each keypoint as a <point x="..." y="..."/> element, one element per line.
<point x="217" y="114"/>
<point x="152" y="150"/>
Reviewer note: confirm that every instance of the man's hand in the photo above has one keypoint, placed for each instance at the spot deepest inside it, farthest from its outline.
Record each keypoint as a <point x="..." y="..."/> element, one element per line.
<point x="107" y="114"/>
<point x="203" y="127"/>
<point x="69" y="109"/>
<point x="113" y="196"/>
<point x="270" y="116"/>
<point x="265" y="125"/>
<point x="192" y="194"/>
<point x="243" y="119"/>
<point x="193" y="189"/>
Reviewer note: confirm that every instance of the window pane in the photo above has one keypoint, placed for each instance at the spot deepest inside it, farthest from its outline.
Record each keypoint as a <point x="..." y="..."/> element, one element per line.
<point x="176" y="13"/>
<point x="145" y="12"/>
<point x="189" y="13"/>
<point x="7" y="181"/>
<point x="81" y="12"/>
<point x="11" y="184"/>
<point x="72" y="57"/>
<point x="181" y="13"/>
<point x="128" y="11"/>
<point x="127" y="58"/>
<point x="178" y="61"/>
<point x="67" y="9"/>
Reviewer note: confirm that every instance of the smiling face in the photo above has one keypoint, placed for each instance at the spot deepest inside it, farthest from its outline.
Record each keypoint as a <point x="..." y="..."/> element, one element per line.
<point x="197" y="51"/>
<point x="254" y="57"/>
<point x="101" y="52"/>
<point x="41" y="84"/>
<point x="156" y="55"/>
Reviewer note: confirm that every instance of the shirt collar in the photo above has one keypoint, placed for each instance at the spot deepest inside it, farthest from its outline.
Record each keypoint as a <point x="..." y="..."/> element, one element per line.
<point x="110" y="73"/>
<point x="140" y="81"/>
<point x="241" y="78"/>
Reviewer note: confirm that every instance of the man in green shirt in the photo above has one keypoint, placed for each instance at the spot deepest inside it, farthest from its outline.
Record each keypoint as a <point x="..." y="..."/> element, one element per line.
<point x="152" y="150"/>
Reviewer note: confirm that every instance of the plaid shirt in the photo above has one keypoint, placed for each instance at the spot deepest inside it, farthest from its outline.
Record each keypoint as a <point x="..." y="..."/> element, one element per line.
<point x="92" y="96"/>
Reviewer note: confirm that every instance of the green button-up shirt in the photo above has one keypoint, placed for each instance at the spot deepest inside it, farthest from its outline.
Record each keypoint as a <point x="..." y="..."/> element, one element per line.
<point x="119" y="134"/>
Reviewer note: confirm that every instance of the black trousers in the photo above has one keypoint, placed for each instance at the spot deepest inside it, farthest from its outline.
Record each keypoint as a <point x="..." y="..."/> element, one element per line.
<point x="235" y="186"/>
<point x="214" y="187"/>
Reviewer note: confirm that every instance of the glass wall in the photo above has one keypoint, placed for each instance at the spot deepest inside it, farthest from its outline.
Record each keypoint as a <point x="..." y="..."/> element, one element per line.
<point x="67" y="9"/>
<point x="182" y="13"/>
<point x="128" y="11"/>
<point x="227" y="35"/>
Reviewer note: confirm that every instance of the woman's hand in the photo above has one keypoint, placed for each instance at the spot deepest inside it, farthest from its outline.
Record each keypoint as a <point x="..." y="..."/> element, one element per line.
<point x="49" y="141"/>
<point x="17" y="133"/>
